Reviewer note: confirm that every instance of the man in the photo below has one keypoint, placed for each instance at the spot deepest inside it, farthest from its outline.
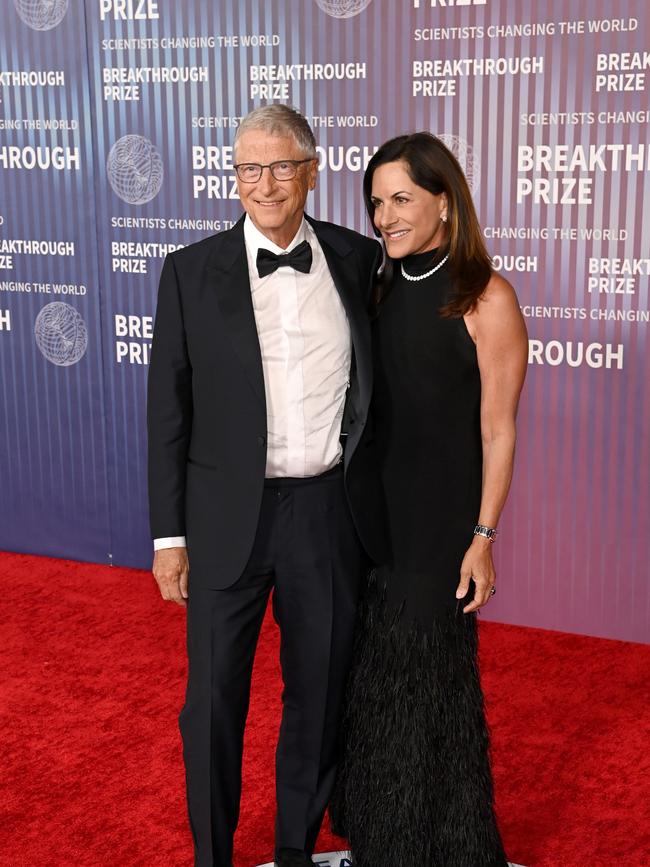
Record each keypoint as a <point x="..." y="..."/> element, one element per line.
<point x="260" y="366"/>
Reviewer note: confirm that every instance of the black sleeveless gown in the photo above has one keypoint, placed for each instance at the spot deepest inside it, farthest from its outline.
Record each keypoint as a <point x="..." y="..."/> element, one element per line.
<point x="414" y="785"/>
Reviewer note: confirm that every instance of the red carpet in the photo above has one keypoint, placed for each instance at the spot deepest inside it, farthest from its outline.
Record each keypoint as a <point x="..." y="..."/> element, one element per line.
<point x="92" y="670"/>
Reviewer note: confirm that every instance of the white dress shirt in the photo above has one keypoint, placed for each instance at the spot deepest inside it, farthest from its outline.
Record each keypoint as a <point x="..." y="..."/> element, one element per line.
<point x="306" y="350"/>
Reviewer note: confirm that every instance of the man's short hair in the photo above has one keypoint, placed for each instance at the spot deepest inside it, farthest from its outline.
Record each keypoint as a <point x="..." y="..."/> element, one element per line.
<point x="280" y="120"/>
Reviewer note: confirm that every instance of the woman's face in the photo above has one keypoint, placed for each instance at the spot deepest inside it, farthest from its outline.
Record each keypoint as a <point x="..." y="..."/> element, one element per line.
<point x="408" y="216"/>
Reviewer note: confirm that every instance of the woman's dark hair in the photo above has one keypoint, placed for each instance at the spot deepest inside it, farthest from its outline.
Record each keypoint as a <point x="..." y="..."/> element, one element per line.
<point x="431" y="165"/>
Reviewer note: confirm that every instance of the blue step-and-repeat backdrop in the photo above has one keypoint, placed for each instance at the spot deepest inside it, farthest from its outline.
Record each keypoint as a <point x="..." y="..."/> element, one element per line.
<point x="116" y="125"/>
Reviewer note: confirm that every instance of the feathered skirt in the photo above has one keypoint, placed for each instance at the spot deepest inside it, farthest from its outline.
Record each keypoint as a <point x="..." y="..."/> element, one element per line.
<point x="414" y="785"/>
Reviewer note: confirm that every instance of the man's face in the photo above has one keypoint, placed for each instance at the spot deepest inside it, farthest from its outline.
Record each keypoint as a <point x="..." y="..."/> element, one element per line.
<point x="275" y="207"/>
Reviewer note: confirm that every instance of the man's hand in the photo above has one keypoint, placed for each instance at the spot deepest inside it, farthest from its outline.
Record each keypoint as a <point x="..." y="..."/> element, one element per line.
<point x="171" y="570"/>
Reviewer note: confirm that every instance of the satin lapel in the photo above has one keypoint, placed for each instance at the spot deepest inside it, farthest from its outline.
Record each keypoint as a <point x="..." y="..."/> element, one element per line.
<point x="343" y="264"/>
<point x="227" y="272"/>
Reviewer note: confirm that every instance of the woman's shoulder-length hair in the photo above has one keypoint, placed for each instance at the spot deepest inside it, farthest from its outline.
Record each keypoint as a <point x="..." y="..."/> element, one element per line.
<point x="432" y="166"/>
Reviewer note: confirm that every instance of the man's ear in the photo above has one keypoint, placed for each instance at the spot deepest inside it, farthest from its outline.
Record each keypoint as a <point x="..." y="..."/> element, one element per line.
<point x="313" y="174"/>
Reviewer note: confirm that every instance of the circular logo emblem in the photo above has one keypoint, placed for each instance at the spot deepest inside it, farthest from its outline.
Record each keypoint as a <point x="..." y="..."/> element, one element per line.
<point x="135" y="169"/>
<point x="465" y="155"/>
<point x="343" y="8"/>
<point x="61" y="334"/>
<point x="41" y="14"/>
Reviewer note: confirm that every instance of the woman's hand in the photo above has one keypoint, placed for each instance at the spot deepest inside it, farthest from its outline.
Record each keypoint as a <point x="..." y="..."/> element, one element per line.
<point x="477" y="565"/>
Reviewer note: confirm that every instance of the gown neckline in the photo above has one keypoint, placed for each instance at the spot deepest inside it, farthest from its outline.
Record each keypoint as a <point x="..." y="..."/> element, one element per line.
<point x="419" y="263"/>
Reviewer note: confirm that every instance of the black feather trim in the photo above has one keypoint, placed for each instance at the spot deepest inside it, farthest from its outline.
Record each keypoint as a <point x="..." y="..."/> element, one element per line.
<point x="414" y="785"/>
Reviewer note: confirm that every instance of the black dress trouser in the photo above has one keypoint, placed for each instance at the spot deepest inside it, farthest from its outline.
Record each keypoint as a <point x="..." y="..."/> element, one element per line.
<point x="306" y="549"/>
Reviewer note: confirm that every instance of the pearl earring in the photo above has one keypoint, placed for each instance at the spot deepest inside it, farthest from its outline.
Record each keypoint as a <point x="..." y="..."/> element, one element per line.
<point x="444" y="218"/>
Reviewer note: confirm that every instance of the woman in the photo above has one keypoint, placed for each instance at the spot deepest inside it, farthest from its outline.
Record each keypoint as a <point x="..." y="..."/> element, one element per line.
<point x="450" y="350"/>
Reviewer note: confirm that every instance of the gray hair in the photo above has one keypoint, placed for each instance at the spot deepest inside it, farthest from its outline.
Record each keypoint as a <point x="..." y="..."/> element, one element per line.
<point x="280" y="120"/>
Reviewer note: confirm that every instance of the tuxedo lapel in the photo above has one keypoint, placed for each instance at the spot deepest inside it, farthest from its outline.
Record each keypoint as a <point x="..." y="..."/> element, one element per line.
<point x="344" y="268"/>
<point x="227" y="272"/>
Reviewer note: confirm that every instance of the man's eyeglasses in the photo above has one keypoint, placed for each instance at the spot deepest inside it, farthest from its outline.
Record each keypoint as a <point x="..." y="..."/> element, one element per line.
<point x="282" y="170"/>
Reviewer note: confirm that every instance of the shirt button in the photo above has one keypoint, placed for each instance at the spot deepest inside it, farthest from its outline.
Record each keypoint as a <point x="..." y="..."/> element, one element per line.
<point x="261" y="441"/>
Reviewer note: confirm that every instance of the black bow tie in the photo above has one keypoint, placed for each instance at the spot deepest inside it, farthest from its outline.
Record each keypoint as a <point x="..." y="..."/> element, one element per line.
<point x="298" y="258"/>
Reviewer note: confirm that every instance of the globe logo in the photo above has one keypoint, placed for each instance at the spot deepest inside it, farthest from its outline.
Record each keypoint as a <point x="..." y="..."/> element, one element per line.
<point x="343" y="8"/>
<point x="135" y="169"/>
<point x="465" y="155"/>
<point x="41" y="14"/>
<point x="61" y="334"/>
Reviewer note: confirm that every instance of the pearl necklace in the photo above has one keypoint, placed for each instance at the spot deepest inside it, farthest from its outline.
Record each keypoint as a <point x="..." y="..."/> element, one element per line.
<point x="413" y="278"/>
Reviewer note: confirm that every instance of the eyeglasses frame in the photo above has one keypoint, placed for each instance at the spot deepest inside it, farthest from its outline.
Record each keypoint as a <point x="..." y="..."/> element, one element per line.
<point x="269" y="166"/>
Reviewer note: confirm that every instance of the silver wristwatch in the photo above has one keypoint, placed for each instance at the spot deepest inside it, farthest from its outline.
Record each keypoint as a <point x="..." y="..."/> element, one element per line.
<point x="487" y="532"/>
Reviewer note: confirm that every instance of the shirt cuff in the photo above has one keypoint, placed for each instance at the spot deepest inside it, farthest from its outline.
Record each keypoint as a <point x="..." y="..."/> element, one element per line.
<point x="169" y="542"/>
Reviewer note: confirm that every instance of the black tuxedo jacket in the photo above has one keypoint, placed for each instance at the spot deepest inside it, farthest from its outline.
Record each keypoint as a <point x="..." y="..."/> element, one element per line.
<point x="206" y="412"/>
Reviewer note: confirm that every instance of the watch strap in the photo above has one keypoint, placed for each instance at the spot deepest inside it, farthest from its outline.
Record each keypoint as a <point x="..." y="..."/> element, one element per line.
<point x="487" y="532"/>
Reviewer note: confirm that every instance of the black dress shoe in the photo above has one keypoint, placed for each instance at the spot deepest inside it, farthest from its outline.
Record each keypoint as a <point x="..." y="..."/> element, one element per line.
<point x="292" y="858"/>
